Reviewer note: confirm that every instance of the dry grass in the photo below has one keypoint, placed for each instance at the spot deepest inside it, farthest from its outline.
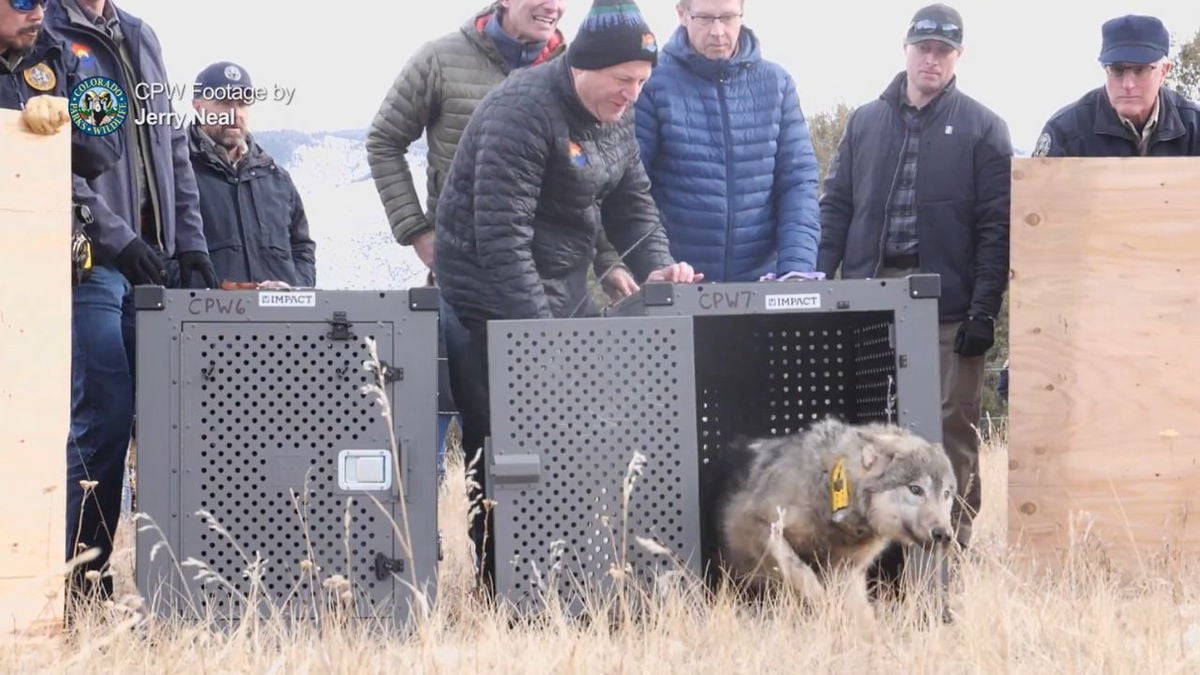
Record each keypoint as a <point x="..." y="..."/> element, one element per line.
<point x="1085" y="620"/>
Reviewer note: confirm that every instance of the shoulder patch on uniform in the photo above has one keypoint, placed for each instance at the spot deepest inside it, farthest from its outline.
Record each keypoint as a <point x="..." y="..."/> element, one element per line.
<point x="40" y="77"/>
<point x="1043" y="145"/>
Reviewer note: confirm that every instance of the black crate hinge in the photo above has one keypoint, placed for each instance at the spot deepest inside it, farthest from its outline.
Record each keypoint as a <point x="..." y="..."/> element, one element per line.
<point x="391" y="373"/>
<point x="340" y="327"/>
<point x="385" y="566"/>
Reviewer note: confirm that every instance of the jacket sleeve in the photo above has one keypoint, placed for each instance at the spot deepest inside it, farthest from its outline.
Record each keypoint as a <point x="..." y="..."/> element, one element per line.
<point x="303" y="247"/>
<point x="109" y="232"/>
<point x="1050" y="143"/>
<point x="510" y="162"/>
<point x="189" y="226"/>
<point x="405" y="113"/>
<point x="90" y="155"/>
<point x="647" y="128"/>
<point x="993" y="166"/>
<point x="837" y="203"/>
<point x="632" y="223"/>
<point x="606" y="255"/>
<point x="798" y="230"/>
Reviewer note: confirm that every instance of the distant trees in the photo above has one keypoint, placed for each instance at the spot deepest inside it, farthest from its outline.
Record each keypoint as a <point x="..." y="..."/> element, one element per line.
<point x="1185" y="75"/>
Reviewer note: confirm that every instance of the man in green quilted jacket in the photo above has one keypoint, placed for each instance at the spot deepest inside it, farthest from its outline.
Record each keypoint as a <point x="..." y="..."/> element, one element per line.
<point x="435" y="94"/>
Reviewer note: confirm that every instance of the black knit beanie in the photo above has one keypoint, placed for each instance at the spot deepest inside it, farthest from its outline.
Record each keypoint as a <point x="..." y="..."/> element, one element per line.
<point x="612" y="32"/>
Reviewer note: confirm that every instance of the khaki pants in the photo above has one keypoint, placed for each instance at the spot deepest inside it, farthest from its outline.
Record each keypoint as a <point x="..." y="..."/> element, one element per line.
<point x="962" y="408"/>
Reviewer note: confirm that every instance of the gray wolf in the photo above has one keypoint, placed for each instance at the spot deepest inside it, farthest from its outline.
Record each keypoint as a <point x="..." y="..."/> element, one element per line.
<point x="776" y="516"/>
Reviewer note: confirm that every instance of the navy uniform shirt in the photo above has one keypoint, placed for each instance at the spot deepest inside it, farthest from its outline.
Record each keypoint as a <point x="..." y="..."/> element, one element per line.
<point x="1090" y="127"/>
<point x="50" y="69"/>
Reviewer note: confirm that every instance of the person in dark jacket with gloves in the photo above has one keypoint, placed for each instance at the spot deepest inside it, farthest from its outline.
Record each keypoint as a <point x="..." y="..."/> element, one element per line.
<point x="547" y="160"/>
<point x="145" y="229"/>
<point x="254" y="220"/>
<point x="37" y="75"/>
<point x="920" y="183"/>
<point x="728" y="151"/>
<point x="1134" y="114"/>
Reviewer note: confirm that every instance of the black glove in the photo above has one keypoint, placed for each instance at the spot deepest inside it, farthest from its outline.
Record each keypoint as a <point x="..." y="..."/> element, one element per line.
<point x="975" y="336"/>
<point x="196" y="262"/>
<point x="140" y="264"/>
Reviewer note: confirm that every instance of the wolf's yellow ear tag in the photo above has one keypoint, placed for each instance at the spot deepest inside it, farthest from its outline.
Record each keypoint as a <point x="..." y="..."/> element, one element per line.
<point x="839" y="488"/>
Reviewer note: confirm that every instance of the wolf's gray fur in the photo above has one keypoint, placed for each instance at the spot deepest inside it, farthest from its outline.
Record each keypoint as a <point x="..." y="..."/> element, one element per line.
<point x="776" y="520"/>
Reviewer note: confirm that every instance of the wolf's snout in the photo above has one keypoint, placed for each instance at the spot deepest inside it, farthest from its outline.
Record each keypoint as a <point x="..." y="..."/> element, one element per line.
<point x="940" y="535"/>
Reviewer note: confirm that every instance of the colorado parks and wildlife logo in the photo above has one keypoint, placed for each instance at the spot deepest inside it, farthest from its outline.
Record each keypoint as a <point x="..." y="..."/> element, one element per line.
<point x="98" y="106"/>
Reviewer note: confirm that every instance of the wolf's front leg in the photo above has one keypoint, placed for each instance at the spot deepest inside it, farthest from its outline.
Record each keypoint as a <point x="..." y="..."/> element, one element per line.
<point x="858" y="603"/>
<point x="795" y="572"/>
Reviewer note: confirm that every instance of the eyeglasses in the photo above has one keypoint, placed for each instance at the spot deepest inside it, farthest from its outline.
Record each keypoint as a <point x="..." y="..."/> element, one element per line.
<point x="708" y="19"/>
<point x="931" y="28"/>
<point x="25" y="5"/>
<point x="1138" y="70"/>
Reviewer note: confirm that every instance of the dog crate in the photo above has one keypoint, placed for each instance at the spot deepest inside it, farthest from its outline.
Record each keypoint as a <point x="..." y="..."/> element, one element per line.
<point x="674" y="373"/>
<point x="267" y="478"/>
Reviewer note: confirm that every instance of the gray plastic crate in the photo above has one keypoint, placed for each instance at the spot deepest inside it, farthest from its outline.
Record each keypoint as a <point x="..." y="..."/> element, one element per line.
<point x="572" y="401"/>
<point x="250" y="409"/>
<point x="675" y="372"/>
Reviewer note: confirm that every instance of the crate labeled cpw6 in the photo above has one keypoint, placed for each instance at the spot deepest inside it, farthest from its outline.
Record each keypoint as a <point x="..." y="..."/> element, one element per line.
<point x="268" y="476"/>
<point x="674" y="373"/>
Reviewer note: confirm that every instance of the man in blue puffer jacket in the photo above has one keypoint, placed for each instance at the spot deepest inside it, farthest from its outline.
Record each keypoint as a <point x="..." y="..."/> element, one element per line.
<point x="728" y="151"/>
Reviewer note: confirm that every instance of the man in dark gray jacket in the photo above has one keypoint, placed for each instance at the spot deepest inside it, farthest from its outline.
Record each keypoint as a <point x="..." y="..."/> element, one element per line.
<point x="548" y="159"/>
<point x="920" y="182"/>
<point x="145" y="229"/>
<point x="254" y="218"/>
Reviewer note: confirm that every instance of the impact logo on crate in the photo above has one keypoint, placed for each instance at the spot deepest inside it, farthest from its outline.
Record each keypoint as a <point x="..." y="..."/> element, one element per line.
<point x="286" y="299"/>
<point x="793" y="301"/>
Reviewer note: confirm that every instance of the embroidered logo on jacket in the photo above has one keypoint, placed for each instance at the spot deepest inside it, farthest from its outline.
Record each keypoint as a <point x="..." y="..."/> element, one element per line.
<point x="82" y="53"/>
<point x="578" y="156"/>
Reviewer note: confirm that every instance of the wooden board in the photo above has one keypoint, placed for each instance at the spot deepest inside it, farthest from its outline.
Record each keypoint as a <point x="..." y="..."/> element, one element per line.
<point x="1104" y="387"/>
<point x="35" y="372"/>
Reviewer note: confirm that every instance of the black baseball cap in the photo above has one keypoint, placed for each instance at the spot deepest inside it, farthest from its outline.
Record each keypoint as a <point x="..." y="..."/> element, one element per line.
<point x="223" y="76"/>
<point x="936" y="22"/>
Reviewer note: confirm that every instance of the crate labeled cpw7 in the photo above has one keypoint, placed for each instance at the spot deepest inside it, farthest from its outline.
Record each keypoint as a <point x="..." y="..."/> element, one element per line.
<point x="269" y="477"/>
<point x="673" y="374"/>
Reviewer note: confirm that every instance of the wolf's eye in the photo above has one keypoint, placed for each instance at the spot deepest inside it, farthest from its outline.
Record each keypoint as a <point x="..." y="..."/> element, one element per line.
<point x="916" y="490"/>
<point x="946" y="495"/>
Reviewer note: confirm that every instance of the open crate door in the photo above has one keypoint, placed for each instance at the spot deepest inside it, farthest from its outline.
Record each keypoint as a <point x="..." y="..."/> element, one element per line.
<point x="572" y="402"/>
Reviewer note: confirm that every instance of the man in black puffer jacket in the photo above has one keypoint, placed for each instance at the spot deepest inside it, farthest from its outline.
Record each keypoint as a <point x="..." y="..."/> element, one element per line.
<point x="548" y="159"/>
<point x="920" y="182"/>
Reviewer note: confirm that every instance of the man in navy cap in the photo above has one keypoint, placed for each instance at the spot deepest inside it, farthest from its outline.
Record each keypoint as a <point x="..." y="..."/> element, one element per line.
<point x="254" y="219"/>
<point x="1133" y="114"/>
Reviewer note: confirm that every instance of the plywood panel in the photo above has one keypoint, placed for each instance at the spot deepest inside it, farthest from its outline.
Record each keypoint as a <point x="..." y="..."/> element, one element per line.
<point x="1105" y="369"/>
<point x="35" y="353"/>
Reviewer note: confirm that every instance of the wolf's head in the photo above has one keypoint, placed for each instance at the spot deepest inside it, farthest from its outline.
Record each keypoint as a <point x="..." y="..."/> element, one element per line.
<point x="910" y="483"/>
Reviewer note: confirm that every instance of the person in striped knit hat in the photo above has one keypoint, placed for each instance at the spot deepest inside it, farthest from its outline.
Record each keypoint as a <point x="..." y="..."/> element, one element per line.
<point x="547" y="162"/>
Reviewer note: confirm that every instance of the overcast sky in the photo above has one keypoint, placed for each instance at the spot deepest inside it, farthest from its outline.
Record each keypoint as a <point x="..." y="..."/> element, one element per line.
<point x="1024" y="58"/>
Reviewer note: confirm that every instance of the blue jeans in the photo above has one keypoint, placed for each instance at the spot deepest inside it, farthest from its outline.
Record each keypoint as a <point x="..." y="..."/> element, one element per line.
<point x="102" y="411"/>
<point x="466" y="351"/>
<point x="444" y="419"/>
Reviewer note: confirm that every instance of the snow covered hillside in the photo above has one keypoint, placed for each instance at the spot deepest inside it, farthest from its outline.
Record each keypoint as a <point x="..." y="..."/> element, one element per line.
<point x="355" y="248"/>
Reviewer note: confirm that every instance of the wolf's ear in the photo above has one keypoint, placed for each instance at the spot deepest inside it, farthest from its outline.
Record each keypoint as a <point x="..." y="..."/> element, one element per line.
<point x="870" y="454"/>
<point x="876" y="445"/>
